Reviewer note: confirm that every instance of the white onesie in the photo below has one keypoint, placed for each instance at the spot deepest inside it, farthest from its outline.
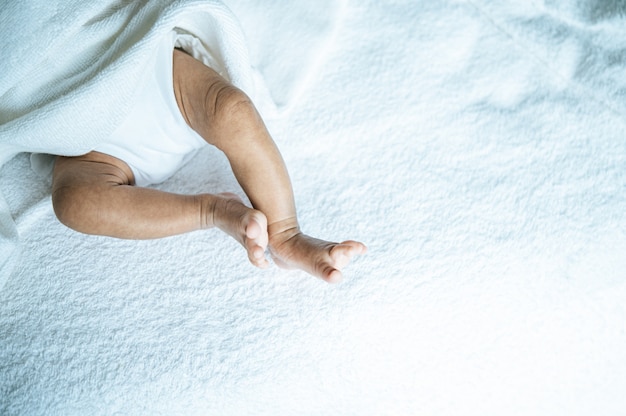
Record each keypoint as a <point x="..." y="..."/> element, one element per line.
<point x="154" y="139"/>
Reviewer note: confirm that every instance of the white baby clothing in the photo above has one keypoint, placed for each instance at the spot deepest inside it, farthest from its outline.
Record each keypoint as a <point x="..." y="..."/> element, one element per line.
<point x="154" y="139"/>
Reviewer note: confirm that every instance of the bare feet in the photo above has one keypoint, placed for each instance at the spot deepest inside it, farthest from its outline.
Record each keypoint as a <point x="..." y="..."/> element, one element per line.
<point x="246" y="225"/>
<point x="289" y="247"/>
<point x="293" y="249"/>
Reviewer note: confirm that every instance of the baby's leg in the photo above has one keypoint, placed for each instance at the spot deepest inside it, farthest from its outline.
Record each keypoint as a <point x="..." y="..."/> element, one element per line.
<point x="226" y="118"/>
<point x="93" y="194"/>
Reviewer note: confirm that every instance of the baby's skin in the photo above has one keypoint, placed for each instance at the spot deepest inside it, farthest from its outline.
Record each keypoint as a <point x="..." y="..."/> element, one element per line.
<point x="288" y="246"/>
<point x="95" y="193"/>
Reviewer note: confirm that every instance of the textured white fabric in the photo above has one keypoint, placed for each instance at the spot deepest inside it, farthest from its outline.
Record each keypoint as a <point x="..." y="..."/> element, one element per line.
<point x="477" y="147"/>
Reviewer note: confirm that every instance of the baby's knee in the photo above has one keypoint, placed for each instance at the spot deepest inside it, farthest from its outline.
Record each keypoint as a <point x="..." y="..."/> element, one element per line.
<point x="227" y="110"/>
<point x="226" y="100"/>
<point x="80" y="184"/>
<point x="68" y="206"/>
<point x="226" y="104"/>
<point x="210" y="104"/>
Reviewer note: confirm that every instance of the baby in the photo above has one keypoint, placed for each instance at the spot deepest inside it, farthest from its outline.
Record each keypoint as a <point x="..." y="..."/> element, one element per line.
<point x="104" y="193"/>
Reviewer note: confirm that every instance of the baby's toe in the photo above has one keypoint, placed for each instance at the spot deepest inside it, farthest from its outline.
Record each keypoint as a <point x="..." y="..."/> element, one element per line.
<point x="355" y="247"/>
<point x="340" y="257"/>
<point x="332" y="275"/>
<point x="253" y="229"/>
<point x="256" y="254"/>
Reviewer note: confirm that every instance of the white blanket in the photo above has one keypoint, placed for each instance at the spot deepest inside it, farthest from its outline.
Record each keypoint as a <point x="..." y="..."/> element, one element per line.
<point x="477" y="147"/>
<point x="69" y="70"/>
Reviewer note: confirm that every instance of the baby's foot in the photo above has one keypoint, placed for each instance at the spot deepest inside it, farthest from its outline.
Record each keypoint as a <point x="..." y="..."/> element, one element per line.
<point x="292" y="249"/>
<point x="244" y="224"/>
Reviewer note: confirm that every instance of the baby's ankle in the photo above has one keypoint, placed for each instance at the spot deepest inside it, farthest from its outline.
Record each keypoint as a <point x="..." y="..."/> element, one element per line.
<point x="214" y="208"/>
<point x="207" y="206"/>
<point x="283" y="230"/>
